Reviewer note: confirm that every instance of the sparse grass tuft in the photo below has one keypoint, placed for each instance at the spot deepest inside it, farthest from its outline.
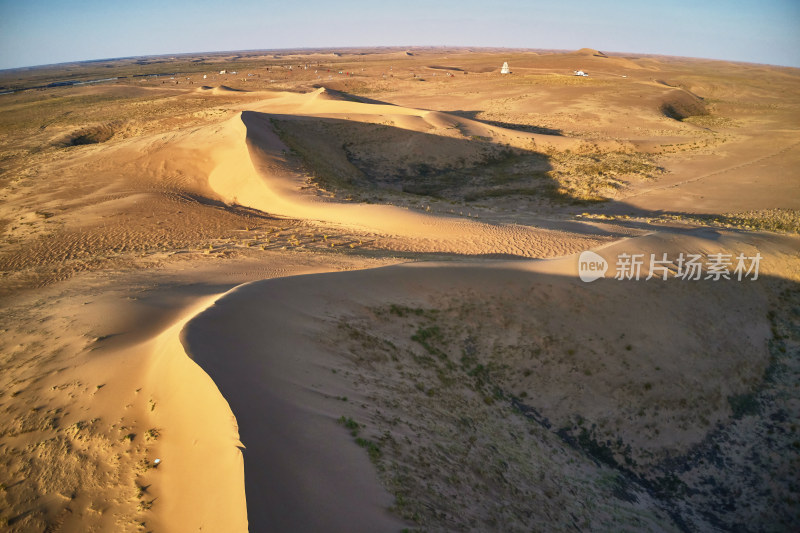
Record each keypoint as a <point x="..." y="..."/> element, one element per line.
<point x="146" y="505"/>
<point x="350" y="424"/>
<point x="373" y="449"/>
<point x="743" y="405"/>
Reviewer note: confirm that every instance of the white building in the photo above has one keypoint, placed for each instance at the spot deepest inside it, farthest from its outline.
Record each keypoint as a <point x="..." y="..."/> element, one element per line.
<point x="505" y="69"/>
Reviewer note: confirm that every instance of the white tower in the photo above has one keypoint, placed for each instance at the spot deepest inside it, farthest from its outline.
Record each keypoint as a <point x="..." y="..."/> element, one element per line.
<point x="505" y="69"/>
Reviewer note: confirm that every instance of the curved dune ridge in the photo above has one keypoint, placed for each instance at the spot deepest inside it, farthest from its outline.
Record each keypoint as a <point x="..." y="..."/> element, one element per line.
<point x="272" y="187"/>
<point x="243" y="161"/>
<point x="202" y="456"/>
<point x="297" y="457"/>
<point x="286" y="380"/>
<point x="200" y="452"/>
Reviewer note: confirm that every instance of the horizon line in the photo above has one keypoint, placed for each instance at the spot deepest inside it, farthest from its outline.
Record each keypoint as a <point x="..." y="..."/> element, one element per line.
<point x="387" y="47"/>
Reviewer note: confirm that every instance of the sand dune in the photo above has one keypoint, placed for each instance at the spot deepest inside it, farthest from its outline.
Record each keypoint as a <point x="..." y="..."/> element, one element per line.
<point x="297" y="336"/>
<point x="218" y="89"/>
<point x="145" y="222"/>
<point x="242" y="161"/>
<point x="589" y="52"/>
<point x="321" y="104"/>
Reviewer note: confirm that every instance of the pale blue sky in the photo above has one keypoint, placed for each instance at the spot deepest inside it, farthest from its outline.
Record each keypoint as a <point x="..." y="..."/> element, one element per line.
<point x="37" y="32"/>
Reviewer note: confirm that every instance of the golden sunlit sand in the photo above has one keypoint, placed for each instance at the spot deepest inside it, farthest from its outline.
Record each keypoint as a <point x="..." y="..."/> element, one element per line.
<point x="340" y="291"/>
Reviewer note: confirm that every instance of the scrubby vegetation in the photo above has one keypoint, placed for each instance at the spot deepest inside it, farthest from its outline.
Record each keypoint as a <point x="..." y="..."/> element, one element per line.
<point x="466" y="433"/>
<point x="681" y="104"/>
<point x="357" y="160"/>
<point x="775" y="220"/>
<point x="589" y="177"/>
<point x="778" y="220"/>
<point x="90" y="135"/>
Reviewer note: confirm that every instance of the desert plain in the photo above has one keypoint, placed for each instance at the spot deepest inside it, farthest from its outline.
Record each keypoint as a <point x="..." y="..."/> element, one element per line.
<point x="338" y="290"/>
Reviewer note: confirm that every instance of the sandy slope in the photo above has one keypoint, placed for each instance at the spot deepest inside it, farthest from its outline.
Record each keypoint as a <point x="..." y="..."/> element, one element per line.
<point x="199" y="447"/>
<point x="293" y="368"/>
<point x="302" y="473"/>
<point x="200" y="461"/>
